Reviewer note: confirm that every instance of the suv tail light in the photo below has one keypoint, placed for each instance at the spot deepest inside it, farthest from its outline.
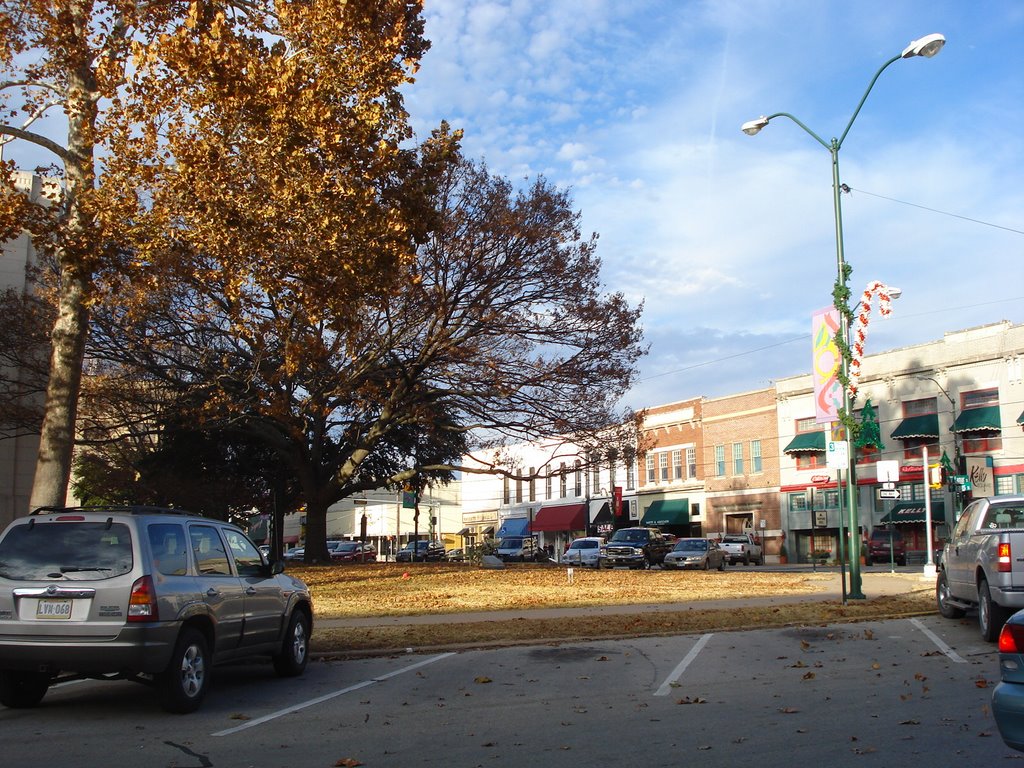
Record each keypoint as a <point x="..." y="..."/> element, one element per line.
<point x="1011" y="638"/>
<point x="142" y="603"/>
<point x="1005" y="563"/>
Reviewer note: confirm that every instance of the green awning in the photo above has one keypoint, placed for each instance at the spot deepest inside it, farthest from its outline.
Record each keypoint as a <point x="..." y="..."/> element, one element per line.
<point x="918" y="426"/>
<point x="913" y="512"/>
<point x="1020" y="419"/>
<point x="806" y="442"/>
<point x="978" y="420"/>
<point x="667" y="512"/>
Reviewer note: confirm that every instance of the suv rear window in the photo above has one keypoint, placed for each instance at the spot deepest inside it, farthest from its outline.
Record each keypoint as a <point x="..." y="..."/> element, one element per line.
<point x="66" y="550"/>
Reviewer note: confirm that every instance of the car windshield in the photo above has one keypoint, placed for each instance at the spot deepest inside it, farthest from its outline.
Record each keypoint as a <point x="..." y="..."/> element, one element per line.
<point x="66" y="550"/>
<point x="628" y="535"/>
<point x="510" y="543"/>
<point x="346" y="546"/>
<point x="691" y="545"/>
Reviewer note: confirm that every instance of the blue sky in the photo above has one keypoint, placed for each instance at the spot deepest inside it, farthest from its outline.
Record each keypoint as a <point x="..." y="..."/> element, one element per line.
<point x="729" y="240"/>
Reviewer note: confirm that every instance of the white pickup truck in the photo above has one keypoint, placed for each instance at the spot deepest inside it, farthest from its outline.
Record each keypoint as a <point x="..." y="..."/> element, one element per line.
<point x="982" y="564"/>
<point x="742" y="548"/>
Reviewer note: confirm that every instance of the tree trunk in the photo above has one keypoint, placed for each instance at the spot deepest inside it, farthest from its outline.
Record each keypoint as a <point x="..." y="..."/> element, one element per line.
<point x="77" y="254"/>
<point x="57" y="438"/>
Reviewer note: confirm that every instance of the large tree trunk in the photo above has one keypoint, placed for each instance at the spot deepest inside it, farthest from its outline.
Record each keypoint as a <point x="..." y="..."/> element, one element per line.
<point x="57" y="440"/>
<point x="76" y="254"/>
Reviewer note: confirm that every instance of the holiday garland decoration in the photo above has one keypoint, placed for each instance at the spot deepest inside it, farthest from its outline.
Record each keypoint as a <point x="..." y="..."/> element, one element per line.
<point x="860" y="327"/>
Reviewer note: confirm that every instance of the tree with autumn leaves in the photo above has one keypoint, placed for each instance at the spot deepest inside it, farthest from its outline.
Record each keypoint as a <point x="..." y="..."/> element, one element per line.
<point x="499" y="331"/>
<point x="263" y="254"/>
<point x="263" y="135"/>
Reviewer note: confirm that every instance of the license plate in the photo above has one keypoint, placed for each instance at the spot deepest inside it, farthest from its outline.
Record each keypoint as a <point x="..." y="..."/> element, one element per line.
<point x="53" y="609"/>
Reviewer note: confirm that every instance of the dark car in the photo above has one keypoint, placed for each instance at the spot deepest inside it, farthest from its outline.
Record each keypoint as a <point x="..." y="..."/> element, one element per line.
<point x="455" y="555"/>
<point x="136" y="593"/>
<point x="638" y="547"/>
<point x="1008" y="696"/>
<point x="878" y="546"/>
<point x="352" y="552"/>
<point x="426" y="551"/>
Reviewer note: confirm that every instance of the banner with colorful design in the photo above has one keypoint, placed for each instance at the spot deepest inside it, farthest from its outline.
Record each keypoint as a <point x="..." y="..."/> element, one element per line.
<point x="828" y="394"/>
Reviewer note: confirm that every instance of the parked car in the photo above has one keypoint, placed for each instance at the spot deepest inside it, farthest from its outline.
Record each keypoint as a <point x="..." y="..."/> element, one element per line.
<point x="352" y="552"/>
<point x="981" y="564"/>
<point x="879" y="547"/>
<point x="296" y="553"/>
<point x="584" y="552"/>
<point x="455" y="555"/>
<point x="695" y="553"/>
<point x="151" y="595"/>
<point x="742" y="548"/>
<point x="520" y="549"/>
<point x="1008" y="696"/>
<point x="635" y="548"/>
<point x="426" y="551"/>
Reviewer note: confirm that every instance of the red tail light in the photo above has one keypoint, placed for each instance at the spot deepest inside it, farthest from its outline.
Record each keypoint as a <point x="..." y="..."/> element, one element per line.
<point x="1004" y="563"/>
<point x="142" y="603"/>
<point x="1011" y="638"/>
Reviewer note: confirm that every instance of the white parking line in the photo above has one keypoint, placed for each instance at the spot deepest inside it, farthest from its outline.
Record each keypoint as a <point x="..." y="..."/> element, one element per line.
<point x="329" y="696"/>
<point x="949" y="652"/>
<point x="665" y="687"/>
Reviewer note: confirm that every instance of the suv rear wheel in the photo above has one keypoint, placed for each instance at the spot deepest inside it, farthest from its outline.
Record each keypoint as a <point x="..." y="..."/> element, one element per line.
<point x="22" y="690"/>
<point x="184" y="683"/>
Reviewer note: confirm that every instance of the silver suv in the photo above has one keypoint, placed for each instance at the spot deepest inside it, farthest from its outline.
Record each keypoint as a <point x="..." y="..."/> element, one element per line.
<point x="153" y="595"/>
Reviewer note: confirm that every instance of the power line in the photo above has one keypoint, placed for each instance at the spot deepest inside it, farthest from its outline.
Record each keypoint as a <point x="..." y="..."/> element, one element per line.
<point x="847" y="188"/>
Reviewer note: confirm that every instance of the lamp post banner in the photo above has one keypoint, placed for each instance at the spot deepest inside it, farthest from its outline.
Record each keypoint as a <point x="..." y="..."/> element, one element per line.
<point x="828" y="393"/>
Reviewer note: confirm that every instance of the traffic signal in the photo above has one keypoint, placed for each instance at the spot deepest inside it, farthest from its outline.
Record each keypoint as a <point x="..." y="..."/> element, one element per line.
<point x="936" y="476"/>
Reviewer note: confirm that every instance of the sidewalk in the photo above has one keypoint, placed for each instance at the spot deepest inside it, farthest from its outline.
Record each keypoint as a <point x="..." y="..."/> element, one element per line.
<point x="874" y="584"/>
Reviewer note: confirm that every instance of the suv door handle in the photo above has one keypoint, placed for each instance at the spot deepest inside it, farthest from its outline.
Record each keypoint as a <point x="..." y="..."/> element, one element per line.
<point x="250" y="590"/>
<point x="212" y="592"/>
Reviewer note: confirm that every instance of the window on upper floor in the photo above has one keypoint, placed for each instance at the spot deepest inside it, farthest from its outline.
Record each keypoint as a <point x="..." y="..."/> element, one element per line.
<point x="691" y="463"/>
<point x="663" y="466"/>
<point x="578" y="478"/>
<point x="720" y="461"/>
<point x="630" y="469"/>
<point x="677" y="464"/>
<point x="737" y="459"/>
<point x="755" y="456"/>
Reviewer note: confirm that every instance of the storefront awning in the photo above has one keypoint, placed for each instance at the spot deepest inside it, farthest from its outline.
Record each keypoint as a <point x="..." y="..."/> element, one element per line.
<point x="806" y="442"/>
<point x="603" y="515"/>
<point x="1020" y="419"/>
<point x="487" y="531"/>
<point x="913" y="512"/>
<point x="514" y="526"/>
<point x="918" y="426"/>
<point x="561" y="517"/>
<point x="667" y="512"/>
<point x="978" y="420"/>
<point x="463" y="532"/>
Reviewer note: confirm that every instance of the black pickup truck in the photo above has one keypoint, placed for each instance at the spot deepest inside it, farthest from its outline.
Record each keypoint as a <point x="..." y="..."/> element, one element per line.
<point x="634" y="548"/>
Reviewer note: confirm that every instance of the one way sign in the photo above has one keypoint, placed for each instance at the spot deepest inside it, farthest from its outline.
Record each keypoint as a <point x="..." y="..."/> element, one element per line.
<point x="886" y="493"/>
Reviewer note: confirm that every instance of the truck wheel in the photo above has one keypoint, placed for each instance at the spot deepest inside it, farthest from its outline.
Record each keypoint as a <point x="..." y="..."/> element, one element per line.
<point x="991" y="615"/>
<point x="746" y="559"/>
<point x="947" y="609"/>
<point x="721" y="564"/>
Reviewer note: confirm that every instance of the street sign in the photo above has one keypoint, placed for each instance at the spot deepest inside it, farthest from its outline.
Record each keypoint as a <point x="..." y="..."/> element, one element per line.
<point x="885" y="493"/>
<point x="888" y="486"/>
<point x="838" y="454"/>
<point x="887" y="470"/>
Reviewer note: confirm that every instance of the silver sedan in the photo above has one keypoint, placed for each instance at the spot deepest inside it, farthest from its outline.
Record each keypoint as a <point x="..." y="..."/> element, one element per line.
<point x="696" y="553"/>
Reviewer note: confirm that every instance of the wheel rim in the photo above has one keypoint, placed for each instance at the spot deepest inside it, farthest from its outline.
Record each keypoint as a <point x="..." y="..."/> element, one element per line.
<point x="193" y="671"/>
<point x="299" y="641"/>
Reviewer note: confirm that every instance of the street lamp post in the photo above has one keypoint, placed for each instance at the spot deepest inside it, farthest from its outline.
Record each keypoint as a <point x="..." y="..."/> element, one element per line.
<point x="926" y="46"/>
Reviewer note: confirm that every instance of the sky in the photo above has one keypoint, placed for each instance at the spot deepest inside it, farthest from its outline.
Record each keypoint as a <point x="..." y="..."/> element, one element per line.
<point x="728" y="240"/>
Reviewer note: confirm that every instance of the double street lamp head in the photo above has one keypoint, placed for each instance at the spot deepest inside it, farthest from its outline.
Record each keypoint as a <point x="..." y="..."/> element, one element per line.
<point x="926" y="46"/>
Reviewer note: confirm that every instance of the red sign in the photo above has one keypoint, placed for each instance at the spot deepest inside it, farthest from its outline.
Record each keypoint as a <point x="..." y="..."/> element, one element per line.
<point x="821" y="479"/>
<point x="911" y="470"/>
<point x="617" y="500"/>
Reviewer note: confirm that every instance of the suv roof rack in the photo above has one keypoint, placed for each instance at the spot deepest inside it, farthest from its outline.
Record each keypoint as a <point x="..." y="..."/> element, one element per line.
<point x="125" y="509"/>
